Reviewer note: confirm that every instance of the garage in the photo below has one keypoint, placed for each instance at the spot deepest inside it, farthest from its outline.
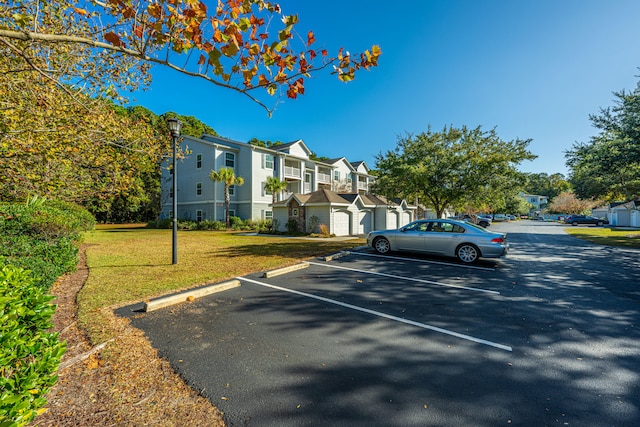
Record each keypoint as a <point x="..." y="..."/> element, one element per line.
<point x="392" y="220"/>
<point x="365" y="220"/>
<point x="341" y="222"/>
<point x="405" y="218"/>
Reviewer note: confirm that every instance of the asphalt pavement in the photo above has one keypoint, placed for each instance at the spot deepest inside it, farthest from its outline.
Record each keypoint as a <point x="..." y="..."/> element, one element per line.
<point x="546" y="336"/>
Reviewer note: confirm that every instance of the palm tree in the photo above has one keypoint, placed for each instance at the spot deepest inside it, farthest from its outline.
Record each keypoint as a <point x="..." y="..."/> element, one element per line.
<point x="228" y="177"/>
<point x="274" y="186"/>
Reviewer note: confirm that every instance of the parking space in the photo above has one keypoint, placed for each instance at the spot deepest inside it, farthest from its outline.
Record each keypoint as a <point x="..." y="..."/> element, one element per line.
<point x="366" y="286"/>
<point x="405" y="340"/>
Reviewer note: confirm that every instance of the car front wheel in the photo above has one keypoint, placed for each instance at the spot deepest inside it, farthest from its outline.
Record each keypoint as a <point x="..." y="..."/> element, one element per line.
<point x="599" y="223"/>
<point x="467" y="253"/>
<point x="381" y="245"/>
<point x="574" y="223"/>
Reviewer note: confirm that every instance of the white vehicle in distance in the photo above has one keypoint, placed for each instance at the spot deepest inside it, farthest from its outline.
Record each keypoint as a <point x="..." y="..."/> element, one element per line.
<point x="466" y="241"/>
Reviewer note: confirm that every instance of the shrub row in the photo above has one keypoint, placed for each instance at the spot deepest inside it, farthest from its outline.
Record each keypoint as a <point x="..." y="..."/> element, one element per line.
<point x="29" y="356"/>
<point x="38" y="244"/>
<point x="235" y="222"/>
<point x="42" y="236"/>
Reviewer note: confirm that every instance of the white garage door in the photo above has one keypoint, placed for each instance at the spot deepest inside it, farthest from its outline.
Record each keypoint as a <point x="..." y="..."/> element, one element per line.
<point x="364" y="222"/>
<point x="392" y="220"/>
<point x="341" y="220"/>
<point x="405" y="218"/>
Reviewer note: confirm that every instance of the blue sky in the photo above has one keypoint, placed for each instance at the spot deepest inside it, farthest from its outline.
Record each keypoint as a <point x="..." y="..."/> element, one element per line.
<point x="533" y="69"/>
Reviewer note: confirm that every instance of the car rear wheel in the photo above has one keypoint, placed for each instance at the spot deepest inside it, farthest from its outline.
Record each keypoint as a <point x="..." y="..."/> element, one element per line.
<point x="467" y="253"/>
<point x="599" y="223"/>
<point x="574" y="223"/>
<point x="381" y="245"/>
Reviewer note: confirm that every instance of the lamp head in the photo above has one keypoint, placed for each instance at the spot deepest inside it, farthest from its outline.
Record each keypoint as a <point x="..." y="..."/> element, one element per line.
<point x="174" y="126"/>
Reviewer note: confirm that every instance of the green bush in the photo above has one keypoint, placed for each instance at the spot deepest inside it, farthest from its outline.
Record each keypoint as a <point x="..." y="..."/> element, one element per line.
<point x="236" y="224"/>
<point x="161" y="223"/>
<point x="42" y="236"/>
<point x="29" y="356"/>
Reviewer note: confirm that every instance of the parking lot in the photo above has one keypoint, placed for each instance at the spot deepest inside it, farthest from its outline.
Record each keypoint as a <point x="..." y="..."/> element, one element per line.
<point x="547" y="336"/>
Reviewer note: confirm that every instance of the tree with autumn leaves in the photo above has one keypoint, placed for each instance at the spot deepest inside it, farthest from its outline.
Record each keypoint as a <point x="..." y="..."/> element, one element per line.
<point x="63" y="63"/>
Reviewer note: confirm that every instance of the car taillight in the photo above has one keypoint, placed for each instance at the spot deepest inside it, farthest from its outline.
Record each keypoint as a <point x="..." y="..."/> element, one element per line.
<point x="497" y="240"/>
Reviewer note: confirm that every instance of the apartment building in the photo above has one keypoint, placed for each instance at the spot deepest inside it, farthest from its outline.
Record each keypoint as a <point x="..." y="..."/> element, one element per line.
<point x="199" y="198"/>
<point x="536" y="201"/>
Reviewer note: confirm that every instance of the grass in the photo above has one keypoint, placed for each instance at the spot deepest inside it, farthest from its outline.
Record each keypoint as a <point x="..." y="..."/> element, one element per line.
<point x="132" y="264"/>
<point x="607" y="236"/>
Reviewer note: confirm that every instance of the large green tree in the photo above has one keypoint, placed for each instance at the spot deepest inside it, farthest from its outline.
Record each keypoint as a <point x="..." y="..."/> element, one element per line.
<point x="455" y="167"/>
<point x="608" y="166"/>
<point x="545" y="184"/>
<point x="62" y="62"/>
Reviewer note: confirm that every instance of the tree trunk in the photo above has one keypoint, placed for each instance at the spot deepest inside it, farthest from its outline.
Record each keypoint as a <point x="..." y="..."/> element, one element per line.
<point x="227" y="203"/>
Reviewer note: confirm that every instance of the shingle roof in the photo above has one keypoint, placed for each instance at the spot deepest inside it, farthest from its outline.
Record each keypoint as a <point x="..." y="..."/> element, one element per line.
<point x="325" y="196"/>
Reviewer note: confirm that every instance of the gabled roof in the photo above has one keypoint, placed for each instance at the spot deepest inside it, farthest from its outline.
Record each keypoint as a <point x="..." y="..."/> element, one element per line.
<point x="359" y="163"/>
<point x="324" y="196"/>
<point x="328" y="197"/>
<point x="375" y="200"/>
<point x="341" y="159"/>
<point x="632" y="204"/>
<point x="286" y="148"/>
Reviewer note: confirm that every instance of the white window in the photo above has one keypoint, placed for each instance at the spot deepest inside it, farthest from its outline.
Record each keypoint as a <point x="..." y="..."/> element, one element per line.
<point x="265" y="192"/>
<point x="230" y="160"/>
<point x="268" y="214"/>
<point x="268" y="161"/>
<point x="232" y="190"/>
<point x="198" y="215"/>
<point x="349" y="178"/>
<point x="232" y="213"/>
<point x="336" y="175"/>
<point x="199" y="161"/>
<point x="199" y="189"/>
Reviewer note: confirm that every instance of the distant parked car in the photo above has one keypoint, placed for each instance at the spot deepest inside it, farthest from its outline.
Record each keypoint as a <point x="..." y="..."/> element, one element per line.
<point x="448" y="237"/>
<point x="500" y="217"/>
<point x="482" y="221"/>
<point x="584" y="219"/>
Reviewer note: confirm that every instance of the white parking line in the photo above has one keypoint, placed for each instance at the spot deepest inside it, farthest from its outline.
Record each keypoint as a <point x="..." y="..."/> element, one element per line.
<point x="383" y="315"/>
<point x="473" y="267"/>
<point x="412" y="279"/>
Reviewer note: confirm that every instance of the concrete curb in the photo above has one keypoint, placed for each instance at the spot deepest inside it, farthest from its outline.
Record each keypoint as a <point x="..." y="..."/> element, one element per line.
<point x="285" y="270"/>
<point x="189" y="295"/>
<point x="336" y="256"/>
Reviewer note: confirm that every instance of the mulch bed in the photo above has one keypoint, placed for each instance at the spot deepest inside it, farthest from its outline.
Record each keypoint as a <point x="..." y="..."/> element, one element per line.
<point x="121" y="382"/>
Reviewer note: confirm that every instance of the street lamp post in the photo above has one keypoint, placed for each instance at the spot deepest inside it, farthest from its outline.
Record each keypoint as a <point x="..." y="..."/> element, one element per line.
<point x="174" y="126"/>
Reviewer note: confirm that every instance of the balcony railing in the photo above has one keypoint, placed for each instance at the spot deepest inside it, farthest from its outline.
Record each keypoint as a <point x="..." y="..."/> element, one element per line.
<point x="324" y="178"/>
<point x="292" y="172"/>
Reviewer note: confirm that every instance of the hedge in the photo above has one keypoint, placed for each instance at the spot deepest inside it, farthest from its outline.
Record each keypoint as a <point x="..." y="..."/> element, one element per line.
<point x="42" y="236"/>
<point x="29" y="356"/>
<point x="38" y="243"/>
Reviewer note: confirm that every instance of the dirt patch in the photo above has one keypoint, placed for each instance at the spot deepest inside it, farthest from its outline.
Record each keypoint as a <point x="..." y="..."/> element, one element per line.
<point x="121" y="382"/>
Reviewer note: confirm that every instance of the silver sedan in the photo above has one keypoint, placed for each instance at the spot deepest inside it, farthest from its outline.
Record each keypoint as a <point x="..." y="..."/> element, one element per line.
<point x="463" y="240"/>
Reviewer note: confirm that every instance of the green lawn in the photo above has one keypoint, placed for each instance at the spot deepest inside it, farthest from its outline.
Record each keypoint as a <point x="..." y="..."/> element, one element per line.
<point x="130" y="264"/>
<point x="607" y="236"/>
